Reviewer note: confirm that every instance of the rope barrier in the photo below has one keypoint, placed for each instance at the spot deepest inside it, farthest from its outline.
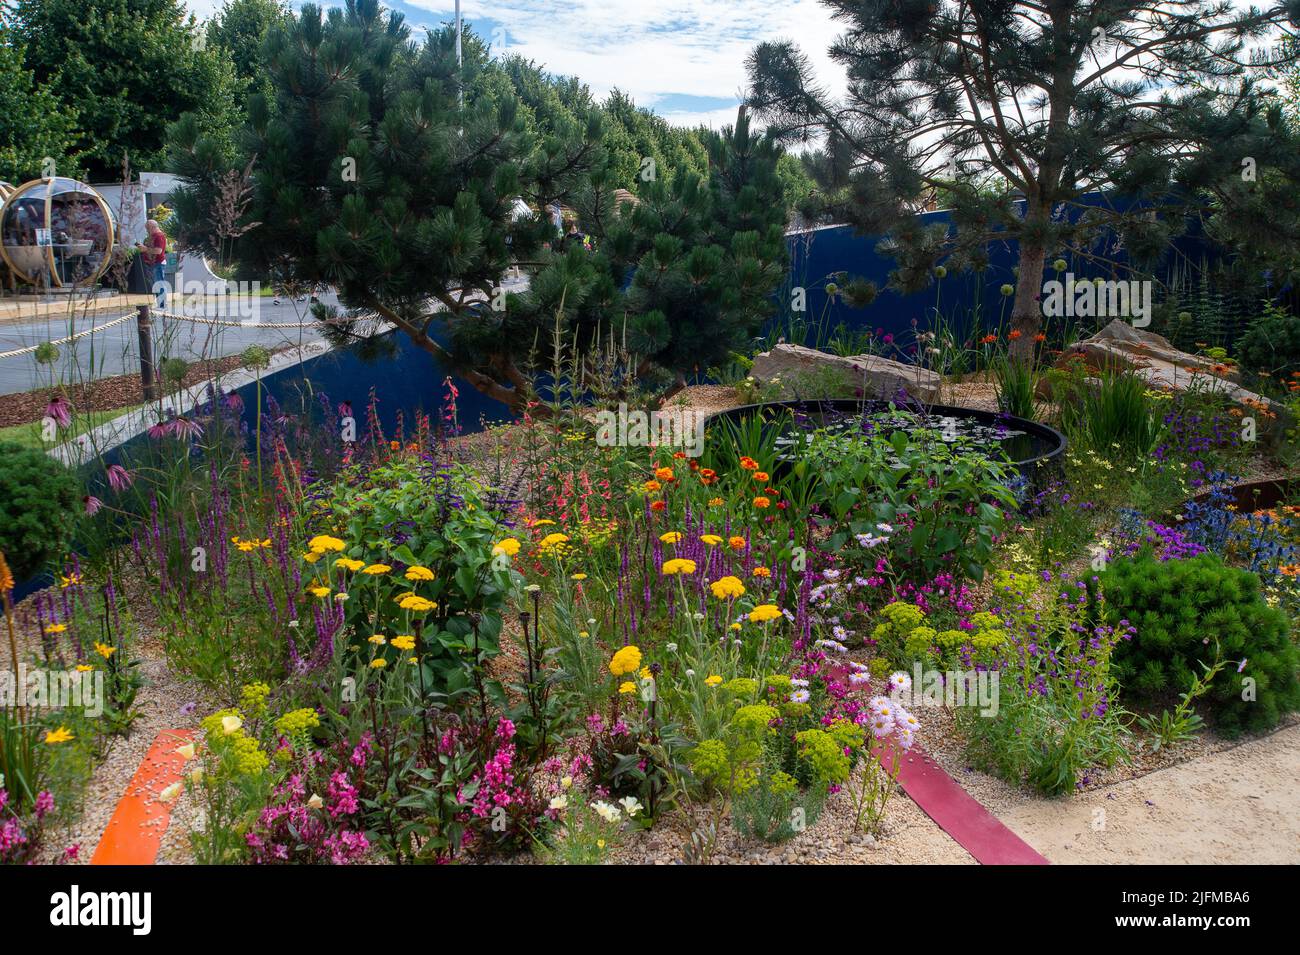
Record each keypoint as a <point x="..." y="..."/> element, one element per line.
<point x="27" y="350"/>
<point x="63" y="341"/>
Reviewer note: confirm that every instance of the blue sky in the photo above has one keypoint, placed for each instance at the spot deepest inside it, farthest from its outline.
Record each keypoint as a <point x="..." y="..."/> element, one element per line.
<point x="682" y="58"/>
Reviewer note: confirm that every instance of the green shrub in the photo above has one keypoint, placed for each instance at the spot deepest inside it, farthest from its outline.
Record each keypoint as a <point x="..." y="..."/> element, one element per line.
<point x="38" y="499"/>
<point x="1180" y="607"/>
<point x="1272" y="344"/>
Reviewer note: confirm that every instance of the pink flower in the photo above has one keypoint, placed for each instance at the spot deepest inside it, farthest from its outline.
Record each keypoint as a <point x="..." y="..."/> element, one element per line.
<point x="119" y="478"/>
<point x="159" y="430"/>
<point x="60" y="409"/>
<point x="93" y="504"/>
<point x="185" y="428"/>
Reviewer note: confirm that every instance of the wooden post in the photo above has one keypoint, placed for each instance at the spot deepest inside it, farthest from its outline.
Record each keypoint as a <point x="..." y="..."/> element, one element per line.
<point x="148" y="374"/>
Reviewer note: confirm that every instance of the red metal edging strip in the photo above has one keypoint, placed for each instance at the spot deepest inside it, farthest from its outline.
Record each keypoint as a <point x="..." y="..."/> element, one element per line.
<point x="957" y="813"/>
<point x="135" y="833"/>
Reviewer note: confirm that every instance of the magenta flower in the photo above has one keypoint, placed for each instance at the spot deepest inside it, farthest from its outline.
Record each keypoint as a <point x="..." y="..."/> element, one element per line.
<point x="60" y="409"/>
<point x="159" y="430"/>
<point x="185" y="428"/>
<point x="93" y="504"/>
<point x="119" y="478"/>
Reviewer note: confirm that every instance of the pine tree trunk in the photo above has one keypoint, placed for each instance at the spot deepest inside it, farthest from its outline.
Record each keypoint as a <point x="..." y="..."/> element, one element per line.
<point x="1026" y="309"/>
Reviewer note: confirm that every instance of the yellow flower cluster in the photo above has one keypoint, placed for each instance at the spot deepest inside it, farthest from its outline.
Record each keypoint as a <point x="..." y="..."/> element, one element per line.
<point x="727" y="588"/>
<point x="323" y="543"/>
<point x="678" y="565"/>
<point x="764" y="612"/>
<point x="626" y="660"/>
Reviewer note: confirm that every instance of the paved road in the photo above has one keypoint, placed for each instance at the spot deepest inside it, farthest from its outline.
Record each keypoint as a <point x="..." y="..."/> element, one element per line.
<point x="115" y="350"/>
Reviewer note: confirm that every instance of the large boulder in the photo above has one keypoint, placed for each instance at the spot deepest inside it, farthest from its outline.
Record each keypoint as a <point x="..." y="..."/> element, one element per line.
<point x="866" y="376"/>
<point x="1121" y="347"/>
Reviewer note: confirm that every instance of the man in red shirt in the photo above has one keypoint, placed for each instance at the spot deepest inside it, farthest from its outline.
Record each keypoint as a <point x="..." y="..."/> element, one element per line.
<point x="153" y="251"/>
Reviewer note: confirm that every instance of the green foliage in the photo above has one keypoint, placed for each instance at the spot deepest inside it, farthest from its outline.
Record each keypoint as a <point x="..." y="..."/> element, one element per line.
<point x="1272" y="344"/>
<point x="1111" y="415"/>
<point x="38" y="500"/>
<point x="1177" y="606"/>
<point x="34" y="124"/>
<point x="1016" y="382"/>
<point x="1056" y="714"/>
<point x="125" y="69"/>
<point x="775" y="808"/>
<point x="448" y="528"/>
<point x="948" y="491"/>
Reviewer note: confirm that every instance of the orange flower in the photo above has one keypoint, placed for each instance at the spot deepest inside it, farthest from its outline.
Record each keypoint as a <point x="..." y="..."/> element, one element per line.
<point x="1015" y="334"/>
<point x="664" y="474"/>
<point x="1040" y="337"/>
<point x="762" y="502"/>
<point x="736" y="543"/>
<point x="749" y="464"/>
<point x="651" y="486"/>
<point x="761" y="572"/>
<point x="679" y="455"/>
<point x="762" y="477"/>
<point x="395" y="445"/>
<point x="708" y="476"/>
<point x="657" y="505"/>
<point x="988" y="339"/>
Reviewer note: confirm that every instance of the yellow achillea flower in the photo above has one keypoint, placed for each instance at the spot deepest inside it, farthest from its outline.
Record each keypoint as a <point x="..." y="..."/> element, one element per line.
<point x="374" y="570"/>
<point x="417" y="604"/>
<point x="672" y="537"/>
<point x="418" y="573"/>
<point x="544" y="522"/>
<point x="311" y="556"/>
<point x="60" y="735"/>
<point x="378" y="639"/>
<point x="509" y="547"/>
<point x="553" y="540"/>
<point x="323" y="542"/>
<point x="626" y="660"/>
<point x="84" y="667"/>
<point x="712" y="680"/>
<point x="578" y="576"/>
<point x="712" y="540"/>
<point x="679" y="565"/>
<point x="378" y="663"/>
<point x="319" y="591"/>
<point x="627" y="686"/>
<point x="727" y="588"/>
<point x="404" y="643"/>
<point x="764" y="612"/>
<point x="347" y="563"/>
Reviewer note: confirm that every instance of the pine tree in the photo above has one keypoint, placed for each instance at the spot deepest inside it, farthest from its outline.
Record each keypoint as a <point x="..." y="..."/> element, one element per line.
<point x="1021" y="109"/>
<point x="388" y="174"/>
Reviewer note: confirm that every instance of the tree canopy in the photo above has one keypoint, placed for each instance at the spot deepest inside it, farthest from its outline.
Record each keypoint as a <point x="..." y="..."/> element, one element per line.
<point x="1020" y="110"/>
<point x="383" y="171"/>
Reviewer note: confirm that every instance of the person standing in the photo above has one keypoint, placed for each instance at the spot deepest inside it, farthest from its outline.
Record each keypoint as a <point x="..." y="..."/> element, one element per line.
<point x="153" y="252"/>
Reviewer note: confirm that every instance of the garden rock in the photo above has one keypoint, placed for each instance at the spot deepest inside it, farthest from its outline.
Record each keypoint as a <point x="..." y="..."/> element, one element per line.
<point x="1121" y="347"/>
<point x="871" y="375"/>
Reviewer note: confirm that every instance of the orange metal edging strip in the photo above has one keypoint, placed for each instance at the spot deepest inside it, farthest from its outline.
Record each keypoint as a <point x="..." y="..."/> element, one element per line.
<point x="134" y="834"/>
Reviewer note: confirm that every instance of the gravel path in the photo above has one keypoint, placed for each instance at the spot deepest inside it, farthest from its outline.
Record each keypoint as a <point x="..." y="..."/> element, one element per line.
<point x="1238" y="806"/>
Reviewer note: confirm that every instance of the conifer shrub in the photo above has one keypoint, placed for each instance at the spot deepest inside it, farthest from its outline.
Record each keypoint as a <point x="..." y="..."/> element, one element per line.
<point x="1186" y="613"/>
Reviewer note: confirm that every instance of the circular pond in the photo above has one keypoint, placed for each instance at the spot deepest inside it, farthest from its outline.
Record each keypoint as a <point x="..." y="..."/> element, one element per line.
<point x="1028" y="445"/>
